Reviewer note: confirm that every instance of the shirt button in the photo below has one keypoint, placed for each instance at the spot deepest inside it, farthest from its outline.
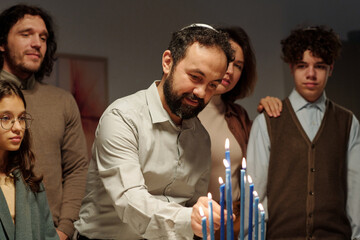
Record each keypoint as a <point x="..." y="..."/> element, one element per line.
<point x="312" y="146"/>
<point x="310" y="215"/>
<point x="312" y="169"/>
<point x="311" y="193"/>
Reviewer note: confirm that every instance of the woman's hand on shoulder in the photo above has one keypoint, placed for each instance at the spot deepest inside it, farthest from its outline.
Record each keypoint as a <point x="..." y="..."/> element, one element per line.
<point x="62" y="235"/>
<point x="272" y="106"/>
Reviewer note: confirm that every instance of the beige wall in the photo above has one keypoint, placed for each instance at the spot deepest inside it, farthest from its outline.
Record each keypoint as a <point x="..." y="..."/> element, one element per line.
<point x="132" y="34"/>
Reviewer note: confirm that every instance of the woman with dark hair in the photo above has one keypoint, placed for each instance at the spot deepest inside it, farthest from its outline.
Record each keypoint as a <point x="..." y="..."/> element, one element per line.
<point x="223" y="118"/>
<point x="24" y="210"/>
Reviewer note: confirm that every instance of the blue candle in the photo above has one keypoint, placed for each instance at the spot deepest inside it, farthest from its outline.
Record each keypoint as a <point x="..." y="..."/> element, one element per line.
<point x="203" y="223"/>
<point x="227" y="150"/>
<point x="227" y="157"/>
<point x="256" y="216"/>
<point x="229" y="220"/>
<point x="250" y="208"/>
<point x="262" y="213"/>
<point x="242" y="199"/>
<point x="222" y="204"/>
<point x="211" y="218"/>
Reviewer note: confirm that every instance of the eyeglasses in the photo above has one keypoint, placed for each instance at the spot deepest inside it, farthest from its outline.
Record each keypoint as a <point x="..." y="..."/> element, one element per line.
<point x="8" y="121"/>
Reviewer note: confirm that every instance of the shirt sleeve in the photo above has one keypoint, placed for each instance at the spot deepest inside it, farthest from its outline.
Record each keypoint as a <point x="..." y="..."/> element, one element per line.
<point x="74" y="168"/>
<point x="258" y="154"/>
<point x="117" y="157"/>
<point x="353" y="198"/>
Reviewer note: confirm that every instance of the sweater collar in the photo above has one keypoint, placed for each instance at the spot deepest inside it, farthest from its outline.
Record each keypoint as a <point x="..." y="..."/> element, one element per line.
<point x="27" y="84"/>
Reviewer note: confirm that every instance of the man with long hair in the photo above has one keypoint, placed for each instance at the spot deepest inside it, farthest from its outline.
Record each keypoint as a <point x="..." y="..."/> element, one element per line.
<point x="27" y="48"/>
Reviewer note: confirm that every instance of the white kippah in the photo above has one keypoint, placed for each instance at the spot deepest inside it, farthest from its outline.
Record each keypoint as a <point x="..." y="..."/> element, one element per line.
<point x="203" y="25"/>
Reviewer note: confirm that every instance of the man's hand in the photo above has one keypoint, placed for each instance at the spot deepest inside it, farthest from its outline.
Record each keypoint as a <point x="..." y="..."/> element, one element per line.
<point x="196" y="218"/>
<point x="62" y="235"/>
<point x="272" y="106"/>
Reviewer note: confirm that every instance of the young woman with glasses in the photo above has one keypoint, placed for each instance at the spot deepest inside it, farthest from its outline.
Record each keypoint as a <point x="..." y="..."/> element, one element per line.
<point x="24" y="210"/>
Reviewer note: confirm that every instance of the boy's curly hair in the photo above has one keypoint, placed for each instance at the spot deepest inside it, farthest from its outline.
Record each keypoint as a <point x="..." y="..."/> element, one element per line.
<point x="322" y="41"/>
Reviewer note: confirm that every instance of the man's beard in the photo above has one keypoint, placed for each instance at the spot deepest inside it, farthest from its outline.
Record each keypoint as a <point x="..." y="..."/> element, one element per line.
<point x="176" y="104"/>
<point x="20" y="67"/>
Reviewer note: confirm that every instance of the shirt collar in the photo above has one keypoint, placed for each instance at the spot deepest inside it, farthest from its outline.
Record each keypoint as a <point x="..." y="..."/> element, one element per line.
<point x="27" y="84"/>
<point x="156" y="109"/>
<point x="158" y="113"/>
<point x="298" y="102"/>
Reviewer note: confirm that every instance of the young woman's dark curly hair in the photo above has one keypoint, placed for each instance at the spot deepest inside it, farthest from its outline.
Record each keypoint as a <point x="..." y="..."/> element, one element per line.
<point x="23" y="159"/>
<point x="322" y="42"/>
<point x="246" y="84"/>
<point x="11" y="16"/>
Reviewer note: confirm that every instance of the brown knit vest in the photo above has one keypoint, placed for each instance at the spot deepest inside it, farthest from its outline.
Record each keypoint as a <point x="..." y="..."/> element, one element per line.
<point x="307" y="181"/>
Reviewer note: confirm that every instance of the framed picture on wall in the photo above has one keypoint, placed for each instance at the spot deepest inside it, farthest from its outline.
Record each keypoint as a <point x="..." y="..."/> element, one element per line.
<point x="86" y="78"/>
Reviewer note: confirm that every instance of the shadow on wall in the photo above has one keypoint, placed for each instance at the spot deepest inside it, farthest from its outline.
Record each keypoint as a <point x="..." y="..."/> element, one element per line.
<point x="344" y="85"/>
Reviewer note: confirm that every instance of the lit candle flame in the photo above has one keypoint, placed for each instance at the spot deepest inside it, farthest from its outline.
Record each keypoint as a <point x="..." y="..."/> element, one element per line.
<point x="227" y="144"/>
<point x="209" y="196"/>
<point x="261" y="208"/>
<point x="249" y="179"/>
<point x="243" y="163"/>
<point x="255" y="194"/>
<point x="221" y="180"/>
<point x="201" y="211"/>
<point x="226" y="163"/>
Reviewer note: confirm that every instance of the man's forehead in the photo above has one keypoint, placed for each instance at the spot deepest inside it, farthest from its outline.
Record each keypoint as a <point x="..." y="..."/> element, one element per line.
<point x="27" y="21"/>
